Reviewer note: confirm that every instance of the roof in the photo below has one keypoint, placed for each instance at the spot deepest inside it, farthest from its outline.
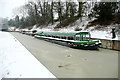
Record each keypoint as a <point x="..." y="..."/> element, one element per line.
<point x="64" y="33"/>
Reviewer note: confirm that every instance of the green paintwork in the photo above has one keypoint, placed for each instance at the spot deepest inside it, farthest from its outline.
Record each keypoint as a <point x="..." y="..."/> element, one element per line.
<point x="86" y="43"/>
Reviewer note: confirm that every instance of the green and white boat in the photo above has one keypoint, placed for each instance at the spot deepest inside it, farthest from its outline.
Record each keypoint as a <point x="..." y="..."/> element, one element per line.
<point x="74" y="39"/>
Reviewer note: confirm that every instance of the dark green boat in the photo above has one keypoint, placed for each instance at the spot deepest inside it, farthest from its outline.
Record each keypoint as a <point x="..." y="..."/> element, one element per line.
<point x="75" y="39"/>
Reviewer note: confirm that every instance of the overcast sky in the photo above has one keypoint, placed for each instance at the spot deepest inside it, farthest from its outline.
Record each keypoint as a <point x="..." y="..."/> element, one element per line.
<point x="7" y="6"/>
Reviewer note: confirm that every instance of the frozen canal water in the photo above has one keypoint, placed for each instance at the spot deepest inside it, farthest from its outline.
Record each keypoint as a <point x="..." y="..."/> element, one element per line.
<point x="17" y="62"/>
<point x="65" y="62"/>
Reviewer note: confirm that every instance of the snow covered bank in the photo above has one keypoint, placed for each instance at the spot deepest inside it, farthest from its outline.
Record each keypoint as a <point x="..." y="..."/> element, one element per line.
<point x="103" y="35"/>
<point x="17" y="62"/>
<point x="97" y="31"/>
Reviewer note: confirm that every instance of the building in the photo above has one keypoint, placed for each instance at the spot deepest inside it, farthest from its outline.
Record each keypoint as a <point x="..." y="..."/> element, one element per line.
<point x="3" y="24"/>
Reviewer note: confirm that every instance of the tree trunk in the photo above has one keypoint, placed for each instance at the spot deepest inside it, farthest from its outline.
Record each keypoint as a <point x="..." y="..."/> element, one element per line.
<point x="80" y="9"/>
<point x="52" y="17"/>
<point x="60" y="12"/>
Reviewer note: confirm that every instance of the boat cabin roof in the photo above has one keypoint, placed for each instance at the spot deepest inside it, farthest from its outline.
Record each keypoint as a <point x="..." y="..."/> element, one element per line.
<point x="64" y="33"/>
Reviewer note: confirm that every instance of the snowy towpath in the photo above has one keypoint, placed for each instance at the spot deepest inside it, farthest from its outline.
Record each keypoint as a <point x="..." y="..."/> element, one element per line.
<point x="17" y="62"/>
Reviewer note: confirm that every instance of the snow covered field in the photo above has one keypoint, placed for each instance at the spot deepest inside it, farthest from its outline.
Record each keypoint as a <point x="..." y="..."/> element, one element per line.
<point x="17" y="62"/>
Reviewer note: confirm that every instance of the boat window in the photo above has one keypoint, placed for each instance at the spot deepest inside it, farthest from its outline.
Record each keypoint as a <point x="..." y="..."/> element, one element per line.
<point x="70" y="38"/>
<point x="77" y="37"/>
<point x="83" y="37"/>
<point x="87" y="36"/>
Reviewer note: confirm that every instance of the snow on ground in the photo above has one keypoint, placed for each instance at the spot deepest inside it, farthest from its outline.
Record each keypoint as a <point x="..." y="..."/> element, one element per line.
<point x="69" y="28"/>
<point x="78" y="24"/>
<point x="50" y="27"/>
<point x="11" y="28"/>
<point x="104" y="32"/>
<point x="103" y="35"/>
<point x="17" y="62"/>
